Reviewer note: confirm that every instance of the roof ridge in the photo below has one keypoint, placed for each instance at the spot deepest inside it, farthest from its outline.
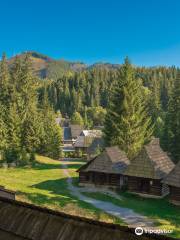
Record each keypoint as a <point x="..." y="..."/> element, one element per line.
<point x="87" y="164"/>
<point x="173" y="178"/>
<point x="153" y="163"/>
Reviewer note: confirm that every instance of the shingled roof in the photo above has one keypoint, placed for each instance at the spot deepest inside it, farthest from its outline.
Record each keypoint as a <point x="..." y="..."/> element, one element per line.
<point x="87" y="137"/>
<point x="75" y="130"/>
<point x="92" y="133"/>
<point x="96" y="143"/>
<point x="151" y="162"/>
<point x="22" y="221"/>
<point x="83" y="142"/>
<point x="173" y="178"/>
<point x="111" y="160"/>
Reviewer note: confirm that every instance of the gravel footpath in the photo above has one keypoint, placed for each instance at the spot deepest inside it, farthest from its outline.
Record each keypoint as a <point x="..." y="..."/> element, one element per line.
<point x="127" y="215"/>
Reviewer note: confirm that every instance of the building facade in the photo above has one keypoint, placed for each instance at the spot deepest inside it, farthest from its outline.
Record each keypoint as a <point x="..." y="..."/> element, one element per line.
<point x="173" y="181"/>
<point x="106" y="169"/>
<point x="147" y="169"/>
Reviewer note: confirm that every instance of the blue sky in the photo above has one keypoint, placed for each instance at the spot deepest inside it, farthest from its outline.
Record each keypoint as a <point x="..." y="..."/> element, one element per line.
<point x="148" y="31"/>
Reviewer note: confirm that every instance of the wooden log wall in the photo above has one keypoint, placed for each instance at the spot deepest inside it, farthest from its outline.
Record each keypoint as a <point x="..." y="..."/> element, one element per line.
<point x="133" y="184"/>
<point x="84" y="177"/>
<point x="155" y="187"/>
<point x="175" y="193"/>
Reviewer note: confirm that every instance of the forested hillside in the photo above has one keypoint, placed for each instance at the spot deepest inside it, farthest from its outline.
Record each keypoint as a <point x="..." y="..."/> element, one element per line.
<point x="26" y="126"/>
<point x="88" y="92"/>
<point x="46" y="67"/>
<point x="74" y="88"/>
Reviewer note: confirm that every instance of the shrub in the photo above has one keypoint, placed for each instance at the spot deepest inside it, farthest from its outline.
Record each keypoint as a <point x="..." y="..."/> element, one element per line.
<point x="11" y="155"/>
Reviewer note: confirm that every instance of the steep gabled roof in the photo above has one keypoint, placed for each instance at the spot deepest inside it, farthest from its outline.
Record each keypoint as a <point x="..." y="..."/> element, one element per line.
<point x="87" y="137"/>
<point x="112" y="160"/>
<point x="173" y="178"/>
<point x="75" y="130"/>
<point x="83" y="141"/>
<point x="92" y="133"/>
<point x="96" y="143"/>
<point x="115" y="154"/>
<point x="151" y="162"/>
<point x="22" y="221"/>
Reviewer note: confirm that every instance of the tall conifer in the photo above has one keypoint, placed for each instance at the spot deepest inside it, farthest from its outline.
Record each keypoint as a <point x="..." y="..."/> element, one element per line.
<point x="4" y="81"/>
<point x="172" y="128"/>
<point x="51" y="134"/>
<point x="127" y="123"/>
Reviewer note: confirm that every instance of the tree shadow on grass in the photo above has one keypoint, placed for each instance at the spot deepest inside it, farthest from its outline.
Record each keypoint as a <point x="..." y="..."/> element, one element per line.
<point x="67" y="204"/>
<point x="57" y="186"/>
<point x="49" y="201"/>
<point x="58" y="196"/>
<point x="49" y="166"/>
<point x="157" y="208"/>
<point x="57" y="193"/>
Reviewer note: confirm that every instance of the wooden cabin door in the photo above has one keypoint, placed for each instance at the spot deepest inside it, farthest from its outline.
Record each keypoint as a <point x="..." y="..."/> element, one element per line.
<point x="100" y="178"/>
<point x="121" y="181"/>
<point x="144" y="185"/>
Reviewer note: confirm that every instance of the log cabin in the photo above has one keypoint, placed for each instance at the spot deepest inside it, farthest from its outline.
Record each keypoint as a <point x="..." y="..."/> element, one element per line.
<point x="173" y="181"/>
<point x="91" y="133"/>
<point x="75" y="131"/>
<point x="71" y="132"/>
<point x="147" y="170"/>
<point x="88" y="142"/>
<point x="95" y="148"/>
<point x="105" y="170"/>
<point x="23" y="221"/>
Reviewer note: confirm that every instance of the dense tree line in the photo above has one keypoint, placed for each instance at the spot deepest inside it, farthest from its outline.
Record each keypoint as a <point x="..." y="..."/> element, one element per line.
<point x="26" y="126"/>
<point x="171" y="133"/>
<point x="88" y="92"/>
<point x="91" y="88"/>
<point x="132" y="103"/>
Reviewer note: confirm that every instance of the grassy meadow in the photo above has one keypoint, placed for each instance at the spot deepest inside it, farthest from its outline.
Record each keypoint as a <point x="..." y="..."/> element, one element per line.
<point x="45" y="184"/>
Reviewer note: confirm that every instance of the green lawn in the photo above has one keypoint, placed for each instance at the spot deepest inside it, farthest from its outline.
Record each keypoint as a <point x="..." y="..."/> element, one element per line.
<point x="164" y="214"/>
<point x="44" y="184"/>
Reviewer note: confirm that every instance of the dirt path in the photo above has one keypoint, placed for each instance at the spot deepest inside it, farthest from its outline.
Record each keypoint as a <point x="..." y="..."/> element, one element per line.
<point x="127" y="215"/>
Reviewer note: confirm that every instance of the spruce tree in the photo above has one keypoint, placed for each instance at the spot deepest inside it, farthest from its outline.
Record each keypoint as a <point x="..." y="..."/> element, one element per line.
<point x="51" y="134"/>
<point x="127" y="123"/>
<point x="77" y="119"/>
<point x="27" y="103"/>
<point x="109" y="131"/>
<point x="4" y="81"/>
<point x="85" y="117"/>
<point x="13" y="149"/>
<point x="154" y="106"/>
<point x="24" y="128"/>
<point x="3" y="129"/>
<point x="15" y="76"/>
<point x="172" y="128"/>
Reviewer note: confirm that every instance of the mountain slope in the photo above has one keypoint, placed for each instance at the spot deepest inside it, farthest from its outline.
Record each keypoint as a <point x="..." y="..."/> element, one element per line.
<point x="47" y="67"/>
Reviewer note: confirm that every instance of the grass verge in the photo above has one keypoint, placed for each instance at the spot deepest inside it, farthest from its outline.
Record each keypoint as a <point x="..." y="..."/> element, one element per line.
<point x="45" y="184"/>
<point x="165" y="215"/>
